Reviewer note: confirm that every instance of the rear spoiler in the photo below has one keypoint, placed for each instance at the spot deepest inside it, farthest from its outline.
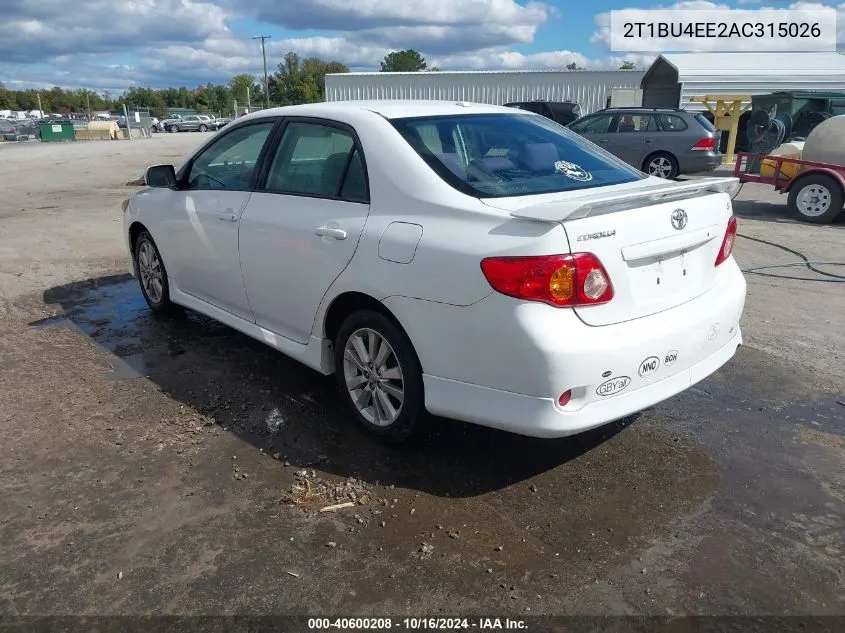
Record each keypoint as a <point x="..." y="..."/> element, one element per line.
<point x="601" y="203"/>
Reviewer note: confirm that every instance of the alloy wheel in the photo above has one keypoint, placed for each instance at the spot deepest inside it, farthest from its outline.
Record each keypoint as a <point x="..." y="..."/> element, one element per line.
<point x="660" y="166"/>
<point x="149" y="269"/>
<point x="373" y="377"/>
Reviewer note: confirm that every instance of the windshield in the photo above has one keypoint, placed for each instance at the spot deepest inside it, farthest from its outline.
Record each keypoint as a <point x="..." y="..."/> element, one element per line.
<point x="501" y="155"/>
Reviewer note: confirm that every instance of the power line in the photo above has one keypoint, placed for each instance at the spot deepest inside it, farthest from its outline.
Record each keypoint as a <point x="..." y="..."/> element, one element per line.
<point x="264" y="56"/>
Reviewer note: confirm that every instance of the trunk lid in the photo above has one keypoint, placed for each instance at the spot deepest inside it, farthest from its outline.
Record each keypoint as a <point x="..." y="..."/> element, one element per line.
<point x="658" y="242"/>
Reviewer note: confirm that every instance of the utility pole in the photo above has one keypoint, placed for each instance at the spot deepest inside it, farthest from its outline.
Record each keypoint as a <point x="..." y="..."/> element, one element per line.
<point x="40" y="111"/>
<point x="264" y="55"/>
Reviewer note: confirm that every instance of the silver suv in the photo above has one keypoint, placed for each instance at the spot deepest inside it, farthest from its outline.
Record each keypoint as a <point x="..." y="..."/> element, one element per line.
<point x="662" y="142"/>
<point x="192" y="123"/>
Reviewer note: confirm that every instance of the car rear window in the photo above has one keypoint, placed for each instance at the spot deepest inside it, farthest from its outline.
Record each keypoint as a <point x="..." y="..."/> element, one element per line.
<point x="705" y="123"/>
<point x="501" y="155"/>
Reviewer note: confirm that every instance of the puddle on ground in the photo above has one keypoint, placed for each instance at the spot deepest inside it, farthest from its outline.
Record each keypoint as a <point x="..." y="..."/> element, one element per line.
<point x="470" y="499"/>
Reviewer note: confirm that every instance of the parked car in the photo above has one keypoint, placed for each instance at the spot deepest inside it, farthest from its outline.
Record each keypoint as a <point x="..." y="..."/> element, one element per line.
<point x="222" y="121"/>
<point x="466" y="260"/>
<point x="8" y="130"/>
<point x="192" y="123"/>
<point x="662" y="142"/>
<point x="164" y="124"/>
<point x="19" y="129"/>
<point x="563" y="112"/>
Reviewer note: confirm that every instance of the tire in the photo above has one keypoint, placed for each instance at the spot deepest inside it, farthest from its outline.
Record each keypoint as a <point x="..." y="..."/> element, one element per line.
<point x="203" y="128"/>
<point x="403" y="376"/>
<point x="816" y="198"/>
<point x="157" y="295"/>
<point x="174" y="128"/>
<point x="662" y="162"/>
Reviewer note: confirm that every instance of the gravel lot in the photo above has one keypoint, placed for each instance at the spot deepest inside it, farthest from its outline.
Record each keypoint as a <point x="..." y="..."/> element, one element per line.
<point x="177" y="467"/>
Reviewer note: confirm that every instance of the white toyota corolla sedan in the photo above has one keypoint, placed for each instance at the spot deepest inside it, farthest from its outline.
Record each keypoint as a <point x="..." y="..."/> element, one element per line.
<point x="469" y="261"/>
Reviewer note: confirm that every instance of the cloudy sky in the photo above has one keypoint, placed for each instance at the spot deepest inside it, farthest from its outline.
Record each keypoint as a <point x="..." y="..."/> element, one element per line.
<point x="106" y="45"/>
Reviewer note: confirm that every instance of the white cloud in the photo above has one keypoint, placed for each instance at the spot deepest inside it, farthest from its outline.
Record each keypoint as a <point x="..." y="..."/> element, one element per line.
<point x="32" y="32"/>
<point x="343" y="15"/>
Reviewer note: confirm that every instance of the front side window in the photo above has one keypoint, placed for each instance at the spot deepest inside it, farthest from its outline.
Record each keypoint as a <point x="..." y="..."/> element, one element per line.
<point x="318" y="160"/>
<point x="500" y="155"/>
<point x="599" y="124"/>
<point x="230" y="161"/>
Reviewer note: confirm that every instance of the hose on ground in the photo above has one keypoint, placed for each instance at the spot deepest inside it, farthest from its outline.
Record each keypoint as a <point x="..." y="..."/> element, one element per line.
<point x="755" y="270"/>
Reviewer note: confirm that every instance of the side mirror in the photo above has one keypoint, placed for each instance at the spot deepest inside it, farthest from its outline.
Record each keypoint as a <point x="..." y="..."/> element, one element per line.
<point x="160" y="176"/>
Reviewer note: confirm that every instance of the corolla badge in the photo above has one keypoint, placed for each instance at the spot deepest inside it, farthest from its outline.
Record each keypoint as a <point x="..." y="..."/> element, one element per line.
<point x="571" y="170"/>
<point x="679" y="219"/>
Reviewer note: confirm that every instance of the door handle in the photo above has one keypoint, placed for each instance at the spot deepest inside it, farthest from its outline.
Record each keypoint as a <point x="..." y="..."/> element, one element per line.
<point x="649" y="140"/>
<point x="231" y="216"/>
<point x="602" y="141"/>
<point x="324" y="231"/>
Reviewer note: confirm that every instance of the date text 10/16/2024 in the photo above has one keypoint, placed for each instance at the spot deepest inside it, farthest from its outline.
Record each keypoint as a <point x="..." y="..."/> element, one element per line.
<point x="417" y="624"/>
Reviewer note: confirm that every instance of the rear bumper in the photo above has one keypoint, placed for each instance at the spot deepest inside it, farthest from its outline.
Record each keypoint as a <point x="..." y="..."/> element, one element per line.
<point x="504" y="363"/>
<point x="695" y="162"/>
<point x="542" y="417"/>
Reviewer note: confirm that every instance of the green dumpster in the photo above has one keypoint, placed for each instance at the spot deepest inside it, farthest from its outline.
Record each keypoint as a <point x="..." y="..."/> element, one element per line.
<point x="806" y="109"/>
<point x="61" y="131"/>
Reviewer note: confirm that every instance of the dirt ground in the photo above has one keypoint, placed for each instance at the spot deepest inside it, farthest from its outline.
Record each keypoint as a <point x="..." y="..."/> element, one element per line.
<point x="177" y="467"/>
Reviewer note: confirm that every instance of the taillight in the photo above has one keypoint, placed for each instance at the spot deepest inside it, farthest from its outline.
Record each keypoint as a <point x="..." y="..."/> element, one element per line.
<point x="705" y="144"/>
<point x="728" y="241"/>
<point x="559" y="280"/>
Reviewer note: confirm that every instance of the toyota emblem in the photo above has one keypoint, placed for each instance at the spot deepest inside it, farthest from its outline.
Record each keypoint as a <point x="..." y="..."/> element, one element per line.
<point x="679" y="219"/>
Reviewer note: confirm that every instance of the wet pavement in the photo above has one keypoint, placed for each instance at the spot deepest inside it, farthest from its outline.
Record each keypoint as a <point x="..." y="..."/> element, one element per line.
<point x="176" y="466"/>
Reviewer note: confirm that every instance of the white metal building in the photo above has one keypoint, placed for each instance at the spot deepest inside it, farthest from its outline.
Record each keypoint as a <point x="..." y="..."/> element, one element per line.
<point x="673" y="79"/>
<point x="591" y="89"/>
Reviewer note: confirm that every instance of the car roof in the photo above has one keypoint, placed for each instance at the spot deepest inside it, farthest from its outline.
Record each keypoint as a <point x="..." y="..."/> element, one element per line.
<point x="389" y="109"/>
<point x="642" y="109"/>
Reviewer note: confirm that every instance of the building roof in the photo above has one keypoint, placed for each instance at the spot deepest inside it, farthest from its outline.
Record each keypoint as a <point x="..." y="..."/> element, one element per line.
<point x="524" y="71"/>
<point x="749" y="74"/>
<point x="758" y="65"/>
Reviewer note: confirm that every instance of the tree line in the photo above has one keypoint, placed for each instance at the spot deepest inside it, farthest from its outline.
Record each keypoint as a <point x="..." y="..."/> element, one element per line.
<point x="295" y="80"/>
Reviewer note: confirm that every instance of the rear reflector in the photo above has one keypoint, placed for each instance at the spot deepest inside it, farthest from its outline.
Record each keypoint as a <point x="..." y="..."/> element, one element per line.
<point x="559" y="280"/>
<point x="705" y="144"/>
<point x="565" y="397"/>
<point x="728" y="241"/>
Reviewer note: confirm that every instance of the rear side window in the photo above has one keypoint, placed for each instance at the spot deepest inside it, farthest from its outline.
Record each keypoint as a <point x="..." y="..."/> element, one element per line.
<point x="705" y="123"/>
<point x="636" y="123"/>
<point x="501" y="155"/>
<point x="318" y="160"/>
<point x="672" y="123"/>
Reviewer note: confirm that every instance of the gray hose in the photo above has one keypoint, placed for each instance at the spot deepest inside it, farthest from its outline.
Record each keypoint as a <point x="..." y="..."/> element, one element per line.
<point x="805" y="262"/>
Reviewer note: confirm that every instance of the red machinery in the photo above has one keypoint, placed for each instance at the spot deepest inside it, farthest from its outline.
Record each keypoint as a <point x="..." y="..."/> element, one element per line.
<point x="816" y="191"/>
